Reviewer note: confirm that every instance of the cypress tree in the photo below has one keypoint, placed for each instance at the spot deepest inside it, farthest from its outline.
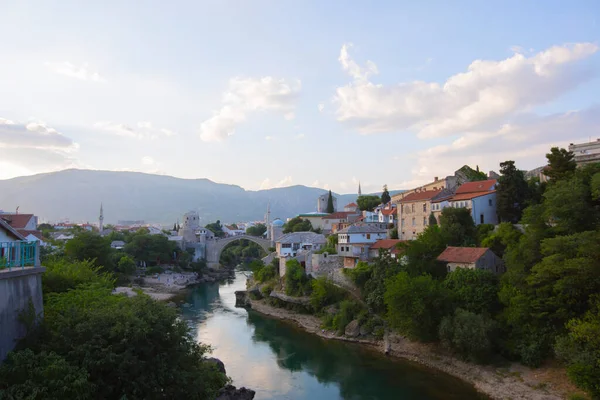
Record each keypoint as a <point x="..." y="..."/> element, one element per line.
<point x="330" y="209"/>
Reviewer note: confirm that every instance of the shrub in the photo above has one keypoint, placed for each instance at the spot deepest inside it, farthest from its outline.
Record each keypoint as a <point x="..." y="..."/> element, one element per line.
<point x="348" y="311"/>
<point x="296" y="281"/>
<point x="324" y="293"/>
<point x="266" y="273"/>
<point x="359" y="274"/>
<point x="155" y="269"/>
<point x="468" y="334"/>
<point x="62" y="275"/>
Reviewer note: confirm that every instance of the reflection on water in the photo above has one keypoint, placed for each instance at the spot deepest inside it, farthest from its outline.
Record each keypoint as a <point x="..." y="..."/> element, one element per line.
<point x="280" y="361"/>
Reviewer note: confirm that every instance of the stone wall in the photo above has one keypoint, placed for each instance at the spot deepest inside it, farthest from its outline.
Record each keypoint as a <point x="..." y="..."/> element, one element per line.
<point x="324" y="264"/>
<point x="17" y="287"/>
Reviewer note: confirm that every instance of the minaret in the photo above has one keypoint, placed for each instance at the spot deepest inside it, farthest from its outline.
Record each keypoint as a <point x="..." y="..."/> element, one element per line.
<point x="359" y="191"/>
<point x="101" y="220"/>
<point x="268" y="218"/>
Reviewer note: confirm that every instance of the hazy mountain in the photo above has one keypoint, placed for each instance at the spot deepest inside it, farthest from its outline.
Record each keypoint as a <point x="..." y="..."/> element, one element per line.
<point x="77" y="194"/>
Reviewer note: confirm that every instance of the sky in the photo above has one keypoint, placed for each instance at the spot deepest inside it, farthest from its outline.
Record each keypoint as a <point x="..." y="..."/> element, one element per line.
<point x="273" y="93"/>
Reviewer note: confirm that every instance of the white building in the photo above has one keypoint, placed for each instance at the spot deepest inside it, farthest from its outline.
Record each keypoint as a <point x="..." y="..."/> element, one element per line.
<point x="354" y="242"/>
<point x="290" y="244"/>
<point x="480" y="199"/>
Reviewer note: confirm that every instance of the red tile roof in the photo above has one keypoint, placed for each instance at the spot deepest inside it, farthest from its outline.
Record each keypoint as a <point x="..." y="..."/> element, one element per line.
<point x="469" y="196"/>
<point x="388" y="211"/>
<point x="420" y="196"/>
<point x="351" y="205"/>
<point x="17" y="221"/>
<point x="465" y="255"/>
<point x="339" y="215"/>
<point x="385" y="244"/>
<point x="4" y="225"/>
<point x="477" y="186"/>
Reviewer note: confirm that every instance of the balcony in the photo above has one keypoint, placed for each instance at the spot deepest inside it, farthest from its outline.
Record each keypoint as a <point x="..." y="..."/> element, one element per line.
<point x="19" y="255"/>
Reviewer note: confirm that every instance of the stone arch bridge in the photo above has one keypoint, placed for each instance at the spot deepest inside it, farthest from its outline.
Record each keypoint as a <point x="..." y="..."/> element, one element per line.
<point x="215" y="247"/>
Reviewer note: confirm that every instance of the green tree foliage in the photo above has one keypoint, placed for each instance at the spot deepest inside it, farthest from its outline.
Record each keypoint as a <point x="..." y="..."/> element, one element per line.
<point x="457" y="227"/>
<point x="62" y="275"/>
<point x="394" y="234"/>
<point x="468" y="334"/>
<point x="126" y="265"/>
<point x="504" y="236"/>
<point x="152" y="249"/>
<point x="473" y="175"/>
<point x="240" y="252"/>
<point x="257" y="230"/>
<point x="473" y="290"/>
<point x="46" y="375"/>
<point x="421" y="254"/>
<point x="580" y="348"/>
<point x="368" y="202"/>
<point x="216" y="228"/>
<point x="297" y="224"/>
<point x="261" y="272"/>
<point x="511" y="193"/>
<point x="297" y="283"/>
<point x="416" y="305"/>
<point x="385" y="196"/>
<point x="360" y="274"/>
<point x="330" y="209"/>
<point x="324" y="293"/>
<point x="561" y="164"/>
<point x="432" y="219"/>
<point x="90" y="246"/>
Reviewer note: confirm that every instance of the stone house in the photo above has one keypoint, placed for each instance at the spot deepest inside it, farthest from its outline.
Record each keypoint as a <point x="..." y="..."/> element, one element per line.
<point x="332" y="223"/>
<point x="355" y="240"/>
<point x="472" y="258"/>
<point x="413" y="213"/>
<point x="479" y="198"/>
<point x="386" y="245"/>
<point x="298" y="245"/>
<point x="322" y="201"/>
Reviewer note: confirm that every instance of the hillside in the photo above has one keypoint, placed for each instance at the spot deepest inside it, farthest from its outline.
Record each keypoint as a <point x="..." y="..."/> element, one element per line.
<point x="76" y="195"/>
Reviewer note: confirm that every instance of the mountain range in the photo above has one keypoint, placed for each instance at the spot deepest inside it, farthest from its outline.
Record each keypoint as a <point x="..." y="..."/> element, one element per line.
<point x="76" y="195"/>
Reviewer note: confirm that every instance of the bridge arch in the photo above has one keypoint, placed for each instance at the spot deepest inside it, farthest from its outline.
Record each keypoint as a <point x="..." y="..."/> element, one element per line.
<point x="215" y="247"/>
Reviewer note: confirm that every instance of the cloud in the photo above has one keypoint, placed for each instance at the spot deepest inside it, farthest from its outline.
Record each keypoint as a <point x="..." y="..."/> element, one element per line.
<point x="266" y="183"/>
<point x="147" y="160"/>
<point x="484" y="96"/>
<point x="34" y="147"/>
<point x="143" y="130"/>
<point x="526" y="140"/>
<point x="245" y="96"/>
<point x="321" y="107"/>
<point x="82" y="72"/>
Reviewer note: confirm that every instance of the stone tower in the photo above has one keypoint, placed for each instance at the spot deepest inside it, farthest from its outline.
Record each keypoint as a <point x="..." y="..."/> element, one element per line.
<point x="101" y="220"/>
<point x="276" y="229"/>
<point x="191" y="223"/>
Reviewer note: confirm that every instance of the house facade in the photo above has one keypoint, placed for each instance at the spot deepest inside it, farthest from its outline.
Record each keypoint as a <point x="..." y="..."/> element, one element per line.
<point x="385" y="245"/>
<point x="332" y="223"/>
<point x="355" y="240"/>
<point x="472" y="258"/>
<point x="290" y="244"/>
<point x="480" y="199"/>
<point x="413" y="213"/>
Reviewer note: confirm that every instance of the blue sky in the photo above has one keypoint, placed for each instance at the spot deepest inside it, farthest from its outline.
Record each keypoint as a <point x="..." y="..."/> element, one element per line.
<point x="275" y="93"/>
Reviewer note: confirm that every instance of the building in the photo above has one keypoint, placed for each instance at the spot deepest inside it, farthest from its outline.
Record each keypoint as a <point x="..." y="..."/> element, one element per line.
<point x="275" y="231"/>
<point x="413" y="213"/>
<point x="290" y="244"/>
<point x="586" y="153"/>
<point x="322" y="201"/>
<point x="117" y="244"/>
<point x="386" y="245"/>
<point x="436" y="185"/>
<point x="479" y="198"/>
<point x="355" y="240"/>
<point x="191" y="224"/>
<point x="351" y="207"/>
<point x="315" y="218"/>
<point x="472" y="258"/>
<point x="388" y="214"/>
<point x="231" y="230"/>
<point x="26" y="225"/>
<point x="332" y="223"/>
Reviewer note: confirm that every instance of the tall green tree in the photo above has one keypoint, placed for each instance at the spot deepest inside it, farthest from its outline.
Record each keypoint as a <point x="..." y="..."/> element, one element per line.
<point x="90" y="246"/>
<point x="368" y="202"/>
<point x="511" y="192"/>
<point x="330" y="209"/>
<point x="385" y="196"/>
<point x="216" y="228"/>
<point x="432" y="219"/>
<point x="561" y="164"/>
<point x="457" y="227"/>
<point x="256" y="230"/>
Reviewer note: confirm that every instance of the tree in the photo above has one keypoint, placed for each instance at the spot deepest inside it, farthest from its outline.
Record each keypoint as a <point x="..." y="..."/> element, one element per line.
<point x="511" y="192"/>
<point x="569" y="207"/>
<point x="561" y="164"/>
<point x="468" y="334"/>
<point x="499" y="240"/>
<point x="385" y="196"/>
<point x="457" y="227"/>
<point x="126" y="265"/>
<point x="175" y="227"/>
<point x="473" y="290"/>
<point x="257" y="230"/>
<point x="368" y="202"/>
<point x="421" y="254"/>
<point x="90" y="246"/>
<point x="432" y="219"/>
<point x="324" y="293"/>
<point x="415" y="305"/>
<point x="330" y="209"/>
<point x="216" y="228"/>
<point x="152" y="249"/>
<point x="394" y="234"/>
<point x="297" y="282"/>
<point x="297" y="224"/>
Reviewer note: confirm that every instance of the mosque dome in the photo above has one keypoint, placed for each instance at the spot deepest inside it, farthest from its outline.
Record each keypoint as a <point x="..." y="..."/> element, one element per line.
<point x="277" y="222"/>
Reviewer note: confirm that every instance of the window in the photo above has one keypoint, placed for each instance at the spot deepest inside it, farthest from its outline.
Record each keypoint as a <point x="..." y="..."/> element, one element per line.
<point x="490" y="202"/>
<point x="414" y="222"/>
<point x="362" y="249"/>
<point x="424" y="221"/>
<point x="481" y="218"/>
<point x="424" y="207"/>
<point x="413" y="207"/>
<point x="286" y="245"/>
<point x="368" y="236"/>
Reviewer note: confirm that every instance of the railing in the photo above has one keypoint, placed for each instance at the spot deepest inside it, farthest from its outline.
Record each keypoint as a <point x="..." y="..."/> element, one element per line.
<point x="19" y="254"/>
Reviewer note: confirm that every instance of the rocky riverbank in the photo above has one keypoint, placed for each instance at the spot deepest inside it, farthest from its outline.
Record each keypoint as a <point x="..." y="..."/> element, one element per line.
<point x="513" y="381"/>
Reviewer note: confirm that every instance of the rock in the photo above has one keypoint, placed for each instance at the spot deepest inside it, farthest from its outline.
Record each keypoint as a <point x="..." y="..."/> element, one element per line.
<point x="352" y="329"/>
<point x="241" y="299"/>
<point x="218" y="363"/>
<point x="230" y="392"/>
<point x="364" y="331"/>
<point x="331" y="310"/>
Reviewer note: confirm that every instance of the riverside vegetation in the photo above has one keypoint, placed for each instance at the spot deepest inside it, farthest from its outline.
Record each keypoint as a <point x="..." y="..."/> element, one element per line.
<point x="545" y="307"/>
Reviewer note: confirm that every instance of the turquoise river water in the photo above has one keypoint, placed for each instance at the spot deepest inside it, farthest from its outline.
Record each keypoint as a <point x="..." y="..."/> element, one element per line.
<point x="280" y="361"/>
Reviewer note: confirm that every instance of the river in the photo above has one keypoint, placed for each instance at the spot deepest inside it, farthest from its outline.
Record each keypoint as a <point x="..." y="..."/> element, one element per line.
<point x="280" y="361"/>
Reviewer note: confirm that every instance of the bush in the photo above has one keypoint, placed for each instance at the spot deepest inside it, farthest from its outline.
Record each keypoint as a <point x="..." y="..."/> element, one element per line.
<point x="348" y="311"/>
<point x="324" y="293"/>
<point x="468" y="334"/>
<point x="266" y="273"/>
<point x="296" y="281"/>
<point x="62" y="275"/>
<point x="155" y="269"/>
<point x="474" y="290"/>
<point x="267" y="289"/>
<point x="359" y="274"/>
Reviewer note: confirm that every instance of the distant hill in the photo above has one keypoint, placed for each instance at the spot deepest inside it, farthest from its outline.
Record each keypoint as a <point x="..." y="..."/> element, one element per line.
<point x="76" y="195"/>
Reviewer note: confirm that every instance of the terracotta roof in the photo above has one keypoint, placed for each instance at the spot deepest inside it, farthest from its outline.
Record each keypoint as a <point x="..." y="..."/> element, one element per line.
<point x="351" y="205"/>
<point x="17" y="221"/>
<point x="420" y="196"/>
<point x="386" y="244"/>
<point x="339" y="215"/>
<point x="477" y="186"/>
<point x="10" y="229"/>
<point x="388" y="211"/>
<point x="26" y="233"/>
<point x="469" y="196"/>
<point x="462" y="254"/>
